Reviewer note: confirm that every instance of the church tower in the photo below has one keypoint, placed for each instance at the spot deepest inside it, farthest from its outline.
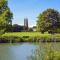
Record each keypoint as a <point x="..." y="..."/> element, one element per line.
<point x="25" y="24"/>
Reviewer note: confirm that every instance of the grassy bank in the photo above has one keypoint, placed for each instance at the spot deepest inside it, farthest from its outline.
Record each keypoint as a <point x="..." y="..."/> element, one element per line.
<point x="29" y="37"/>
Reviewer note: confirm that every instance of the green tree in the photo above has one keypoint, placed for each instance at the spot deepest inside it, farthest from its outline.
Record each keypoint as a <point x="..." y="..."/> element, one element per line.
<point x="5" y="16"/>
<point x="49" y="20"/>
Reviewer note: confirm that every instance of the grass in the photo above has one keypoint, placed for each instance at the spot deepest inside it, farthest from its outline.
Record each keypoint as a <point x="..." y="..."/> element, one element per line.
<point x="19" y="34"/>
<point x="22" y="34"/>
<point x="31" y="36"/>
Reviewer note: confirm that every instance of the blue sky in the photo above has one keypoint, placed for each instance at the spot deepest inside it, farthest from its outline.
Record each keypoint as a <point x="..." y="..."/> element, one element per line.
<point x="30" y="9"/>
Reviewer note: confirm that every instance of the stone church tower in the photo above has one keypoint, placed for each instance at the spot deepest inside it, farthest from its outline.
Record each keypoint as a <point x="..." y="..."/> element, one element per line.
<point x="25" y="24"/>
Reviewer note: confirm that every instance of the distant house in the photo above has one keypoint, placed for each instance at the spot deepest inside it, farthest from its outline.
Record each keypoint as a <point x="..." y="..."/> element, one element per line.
<point x="34" y="28"/>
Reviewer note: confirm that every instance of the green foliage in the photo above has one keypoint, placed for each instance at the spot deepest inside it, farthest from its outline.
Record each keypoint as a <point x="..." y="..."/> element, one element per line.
<point x="5" y="15"/>
<point x="49" y="20"/>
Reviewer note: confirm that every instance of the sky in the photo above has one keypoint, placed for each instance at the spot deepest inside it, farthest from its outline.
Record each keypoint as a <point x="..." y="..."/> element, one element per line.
<point x="30" y="9"/>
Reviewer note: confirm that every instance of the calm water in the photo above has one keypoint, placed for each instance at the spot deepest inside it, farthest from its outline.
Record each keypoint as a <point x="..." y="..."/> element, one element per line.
<point x="21" y="51"/>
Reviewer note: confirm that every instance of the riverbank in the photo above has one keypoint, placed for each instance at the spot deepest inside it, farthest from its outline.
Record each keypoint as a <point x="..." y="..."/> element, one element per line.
<point x="14" y="37"/>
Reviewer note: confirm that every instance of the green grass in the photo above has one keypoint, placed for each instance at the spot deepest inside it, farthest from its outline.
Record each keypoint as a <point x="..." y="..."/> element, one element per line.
<point x="22" y="34"/>
<point x="32" y="36"/>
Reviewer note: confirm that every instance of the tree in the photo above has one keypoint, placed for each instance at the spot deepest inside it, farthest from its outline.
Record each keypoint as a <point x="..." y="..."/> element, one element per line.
<point x="49" y="20"/>
<point x="17" y="28"/>
<point x="5" y="16"/>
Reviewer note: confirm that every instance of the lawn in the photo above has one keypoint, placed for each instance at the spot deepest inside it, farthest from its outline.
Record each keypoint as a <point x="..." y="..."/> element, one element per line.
<point x="31" y="36"/>
<point x="18" y="34"/>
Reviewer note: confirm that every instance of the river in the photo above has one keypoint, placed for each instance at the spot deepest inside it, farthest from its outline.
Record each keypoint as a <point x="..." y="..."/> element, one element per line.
<point x="21" y="51"/>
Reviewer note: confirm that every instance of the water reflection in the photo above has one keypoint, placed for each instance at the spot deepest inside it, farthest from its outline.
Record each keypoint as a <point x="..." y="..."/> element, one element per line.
<point x="44" y="50"/>
<point x="16" y="52"/>
<point x="26" y="51"/>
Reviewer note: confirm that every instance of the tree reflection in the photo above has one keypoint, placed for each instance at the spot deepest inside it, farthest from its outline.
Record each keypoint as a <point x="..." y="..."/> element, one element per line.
<point x="46" y="51"/>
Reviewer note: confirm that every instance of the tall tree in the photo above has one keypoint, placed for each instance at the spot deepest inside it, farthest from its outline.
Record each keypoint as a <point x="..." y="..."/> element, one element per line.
<point x="49" y="20"/>
<point x="5" y="15"/>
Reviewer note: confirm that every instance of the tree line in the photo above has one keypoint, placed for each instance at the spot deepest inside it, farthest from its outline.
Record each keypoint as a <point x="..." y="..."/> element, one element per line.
<point x="47" y="21"/>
